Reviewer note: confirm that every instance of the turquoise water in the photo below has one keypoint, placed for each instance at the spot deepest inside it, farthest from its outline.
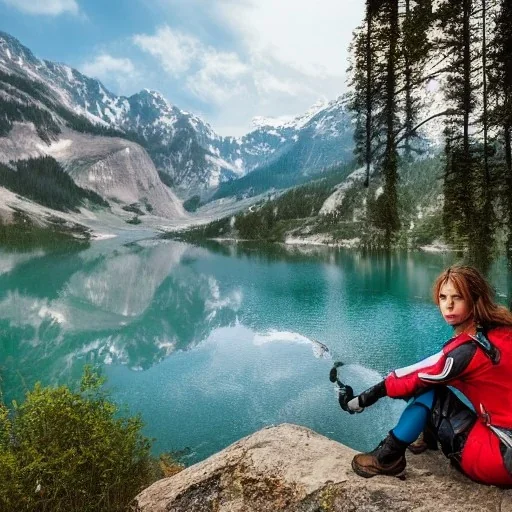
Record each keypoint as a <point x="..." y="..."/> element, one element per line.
<point x="212" y="343"/>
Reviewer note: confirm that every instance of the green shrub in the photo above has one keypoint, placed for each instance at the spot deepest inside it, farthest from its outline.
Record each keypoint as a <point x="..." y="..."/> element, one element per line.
<point x="23" y="234"/>
<point x="192" y="203"/>
<point x="166" y="179"/>
<point x="133" y="208"/>
<point x="71" y="451"/>
<point x="134" y="220"/>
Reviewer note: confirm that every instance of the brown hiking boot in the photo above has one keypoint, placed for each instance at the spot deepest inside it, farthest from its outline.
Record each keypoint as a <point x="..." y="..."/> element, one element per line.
<point x="387" y="459"/>
<point x="426" y="441"/>
<point x="419" y="446"/>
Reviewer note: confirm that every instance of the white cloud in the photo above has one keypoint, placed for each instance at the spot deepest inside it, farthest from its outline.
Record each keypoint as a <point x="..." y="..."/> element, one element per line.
<point x="111" y="70"/>
<point x="48" y="7"/>
<point x="310" y="37"/>
<point x="267" y="83"/>
<point x="219" y="78"/>
<point x="211" y="75"/>
<point x="175" y="50"/>
<point x="105" y="64"/>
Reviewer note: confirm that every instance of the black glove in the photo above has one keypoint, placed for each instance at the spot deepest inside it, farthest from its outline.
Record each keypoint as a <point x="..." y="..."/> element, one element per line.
<point x="351" y="404"/>
<point x="345" y="394"/>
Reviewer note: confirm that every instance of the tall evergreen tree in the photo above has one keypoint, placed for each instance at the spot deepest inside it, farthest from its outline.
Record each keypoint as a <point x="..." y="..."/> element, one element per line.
<point x="365" y="96"/>
<point x="391" y="33"/>
<point x="481" y="245"/>
<point x="389" y="55"/>
<point x="455" y="44"/>
<point x="500" y="102"/>
<point x="416" y="48"/>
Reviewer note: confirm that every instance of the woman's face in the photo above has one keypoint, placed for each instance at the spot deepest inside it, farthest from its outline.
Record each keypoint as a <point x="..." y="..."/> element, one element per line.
<point x="454" y="308"/>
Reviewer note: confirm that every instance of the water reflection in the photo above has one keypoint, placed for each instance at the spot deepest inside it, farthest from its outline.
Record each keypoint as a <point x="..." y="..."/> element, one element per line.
<point x="220" y="331"/>
<point x="134" y="305"/>
<point x="238" y="381"/>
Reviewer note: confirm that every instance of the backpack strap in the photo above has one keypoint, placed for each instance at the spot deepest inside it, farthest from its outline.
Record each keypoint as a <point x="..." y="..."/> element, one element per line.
<point x="482" y="341"/>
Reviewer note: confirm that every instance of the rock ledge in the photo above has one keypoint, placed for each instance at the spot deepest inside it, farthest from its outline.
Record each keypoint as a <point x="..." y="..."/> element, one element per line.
<point x="293" y="469"/>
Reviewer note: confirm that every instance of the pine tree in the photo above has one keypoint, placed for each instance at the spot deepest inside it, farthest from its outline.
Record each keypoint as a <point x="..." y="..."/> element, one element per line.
<point x="500" y="104"/>
<point x="391" y="33"/>
<point x="365" y="89"/>
<point x="389" y="51"/>
<point x="416" y="48"/>
<point x="455" y="45"/>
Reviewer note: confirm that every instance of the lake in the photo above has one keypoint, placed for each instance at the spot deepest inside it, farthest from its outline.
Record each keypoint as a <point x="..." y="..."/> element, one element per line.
<point x="212" y="343"/>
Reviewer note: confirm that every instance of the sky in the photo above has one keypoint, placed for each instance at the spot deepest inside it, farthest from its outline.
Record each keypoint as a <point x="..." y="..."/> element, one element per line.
<point x="225" y="60"/>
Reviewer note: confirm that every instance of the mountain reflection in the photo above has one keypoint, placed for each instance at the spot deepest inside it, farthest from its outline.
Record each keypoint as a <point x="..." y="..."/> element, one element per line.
<point x="133" y="305"/>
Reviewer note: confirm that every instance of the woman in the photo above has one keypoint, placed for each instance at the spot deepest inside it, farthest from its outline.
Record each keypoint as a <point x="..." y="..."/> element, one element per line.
<point x="477" y="360"/>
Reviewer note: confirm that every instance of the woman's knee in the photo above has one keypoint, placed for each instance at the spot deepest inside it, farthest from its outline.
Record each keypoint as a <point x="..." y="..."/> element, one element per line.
<point x="426" y="399"/>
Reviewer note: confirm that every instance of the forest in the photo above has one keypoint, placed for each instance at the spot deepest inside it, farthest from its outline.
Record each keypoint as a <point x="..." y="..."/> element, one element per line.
<point x="44" y="180"/>
<point x="463" y="50"/>
<point x="415" y="64"/>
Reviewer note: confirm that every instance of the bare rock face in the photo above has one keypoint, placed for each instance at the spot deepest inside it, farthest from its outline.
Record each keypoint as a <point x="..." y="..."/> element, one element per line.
<point x="116" y="169"/>
<point x="293" y="469"/>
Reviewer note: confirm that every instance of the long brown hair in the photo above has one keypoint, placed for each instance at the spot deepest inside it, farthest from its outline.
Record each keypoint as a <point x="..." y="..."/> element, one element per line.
<point x="477" y="292"/>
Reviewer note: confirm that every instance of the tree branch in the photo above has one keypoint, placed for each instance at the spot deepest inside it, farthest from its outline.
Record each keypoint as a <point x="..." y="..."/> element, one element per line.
<point x="447" y="112"/>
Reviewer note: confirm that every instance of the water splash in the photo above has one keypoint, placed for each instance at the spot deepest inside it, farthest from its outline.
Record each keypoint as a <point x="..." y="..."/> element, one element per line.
<point x="320" y="351"/>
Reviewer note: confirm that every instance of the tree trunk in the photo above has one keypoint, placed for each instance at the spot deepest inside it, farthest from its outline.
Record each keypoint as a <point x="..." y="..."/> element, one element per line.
<point x="368" y="156"/>
<point x="484" y="91"/>
<point x="408" y="92"/>
<point x="467" y="76"/>
<point x="390" y="160"/>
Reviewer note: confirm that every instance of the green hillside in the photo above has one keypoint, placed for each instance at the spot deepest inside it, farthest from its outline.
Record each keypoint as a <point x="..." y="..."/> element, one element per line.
<point x="295" y="212"/>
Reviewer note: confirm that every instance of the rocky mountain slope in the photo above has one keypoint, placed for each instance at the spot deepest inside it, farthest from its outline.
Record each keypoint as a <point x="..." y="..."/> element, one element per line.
<point x="40" y="120"/>
<point x="181" y="145"/>
<point x="115" y="168"/>
<point x="118" y="170"/>
<point x="293" y="469"/>
<point x="336" y="208"/>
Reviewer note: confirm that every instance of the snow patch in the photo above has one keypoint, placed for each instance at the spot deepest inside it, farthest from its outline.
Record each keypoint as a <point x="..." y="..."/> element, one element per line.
<point x="221" y="163"/>
<point x="272" y="122"/>
<point x="296" y="122"/>
<point x="436" y="247"/>
<point x="102" y="236"/>
<point x="323" y="239"/>
<point x="69" y="73"/>
<point x="57" y="147"/>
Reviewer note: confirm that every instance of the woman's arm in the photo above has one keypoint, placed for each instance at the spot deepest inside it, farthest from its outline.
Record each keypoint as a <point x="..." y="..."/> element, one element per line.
<point x="442" y="368"/>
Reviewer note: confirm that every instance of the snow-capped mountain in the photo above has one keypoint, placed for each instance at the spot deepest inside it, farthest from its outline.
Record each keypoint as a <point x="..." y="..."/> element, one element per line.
<point x="182" y="145"/>
<point x="38" y="120"/>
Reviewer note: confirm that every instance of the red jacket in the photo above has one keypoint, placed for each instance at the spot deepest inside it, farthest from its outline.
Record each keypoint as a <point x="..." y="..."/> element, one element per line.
<point x="488" y="387"/>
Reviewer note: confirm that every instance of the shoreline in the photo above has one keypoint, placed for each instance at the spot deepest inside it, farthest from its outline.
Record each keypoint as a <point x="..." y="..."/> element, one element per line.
<point x="322" y="241"/>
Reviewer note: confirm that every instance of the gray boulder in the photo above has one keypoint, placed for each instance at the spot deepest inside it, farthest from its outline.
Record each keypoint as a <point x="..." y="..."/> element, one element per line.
<point x="293" y="469"/>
